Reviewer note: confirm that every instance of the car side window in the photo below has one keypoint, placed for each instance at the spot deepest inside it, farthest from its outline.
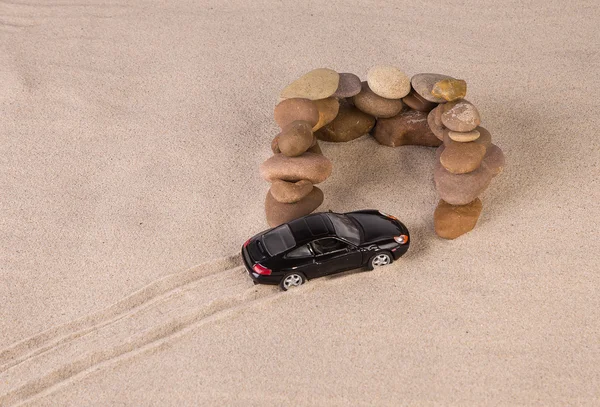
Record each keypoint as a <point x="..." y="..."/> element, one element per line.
<point x="328" y="245"/>
<point x="302" y="251"/>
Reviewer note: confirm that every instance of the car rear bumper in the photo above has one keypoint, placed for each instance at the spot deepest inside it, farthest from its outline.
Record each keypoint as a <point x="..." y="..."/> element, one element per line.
<point x="258" y="278"/>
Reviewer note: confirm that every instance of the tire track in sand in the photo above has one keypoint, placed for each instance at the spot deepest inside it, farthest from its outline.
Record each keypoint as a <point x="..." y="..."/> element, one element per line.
<point x="200" y="300"/>
<point x="45" y="340"/>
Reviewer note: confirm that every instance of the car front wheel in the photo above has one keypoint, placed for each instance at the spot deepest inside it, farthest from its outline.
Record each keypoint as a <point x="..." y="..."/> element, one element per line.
<point x="379" y="260"/>
<point x="292" y="280"/>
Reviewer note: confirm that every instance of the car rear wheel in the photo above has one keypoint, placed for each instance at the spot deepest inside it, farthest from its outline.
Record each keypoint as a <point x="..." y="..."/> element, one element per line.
<point x="292" y="280"/>
<point x="379" y="260"/>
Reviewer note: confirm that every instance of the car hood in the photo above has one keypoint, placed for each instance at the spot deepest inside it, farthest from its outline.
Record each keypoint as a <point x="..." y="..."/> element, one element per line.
<point x="378" y="227"/>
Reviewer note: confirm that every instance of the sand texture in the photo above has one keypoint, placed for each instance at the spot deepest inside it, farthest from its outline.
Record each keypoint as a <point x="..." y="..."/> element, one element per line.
<point x="131" y="138"/>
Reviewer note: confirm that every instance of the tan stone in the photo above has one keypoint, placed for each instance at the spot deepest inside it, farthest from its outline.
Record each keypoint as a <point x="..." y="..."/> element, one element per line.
<point x="409" y="127"/>
<point x="485" y="138"/>
<point x="314" y="147"/>
<point x="461" y="158"/>
<point x="309" y="166"/>
<point x="291" y="110"/>
<point x="290" y="192"/>
<point x="463" y="137"/>
<point x="278" y="213"/>
<point x="388" y="82"/>
<point x="295" y="138"/>
<point x="349" y="124"/>
<point x="450" y="89"/>
<point x="375" y="105"/>
<point x="328" y="110"/>
<point x="452" y="221"/>
<point x="494" y="158"/>
<point x="460" y="115"/>
<point x="317" y="84"/>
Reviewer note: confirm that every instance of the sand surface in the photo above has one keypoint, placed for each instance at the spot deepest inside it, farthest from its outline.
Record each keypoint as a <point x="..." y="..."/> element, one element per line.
<point x="131" y="135"/>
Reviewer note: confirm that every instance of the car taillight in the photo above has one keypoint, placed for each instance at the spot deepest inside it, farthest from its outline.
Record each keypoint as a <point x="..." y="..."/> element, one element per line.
<point x="402" y="239"/>
<point x="262" y="270"/>
<point x="247" y="242"/>
<point x="387" y="215"/>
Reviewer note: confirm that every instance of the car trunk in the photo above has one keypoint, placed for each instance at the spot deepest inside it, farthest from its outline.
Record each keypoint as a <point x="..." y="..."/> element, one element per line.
<point x="256" y="251"/>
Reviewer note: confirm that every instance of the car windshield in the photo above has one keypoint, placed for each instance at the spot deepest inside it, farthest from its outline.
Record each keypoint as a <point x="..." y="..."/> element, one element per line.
<point x="278" y="240"/>
<point x="345" y="227"/>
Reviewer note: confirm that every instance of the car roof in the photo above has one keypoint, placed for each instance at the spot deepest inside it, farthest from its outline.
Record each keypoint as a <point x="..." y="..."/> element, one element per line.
<point x="310" y="227"/>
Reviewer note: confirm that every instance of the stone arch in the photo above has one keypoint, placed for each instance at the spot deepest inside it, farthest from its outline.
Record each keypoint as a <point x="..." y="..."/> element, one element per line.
<point x="426" y="110"/>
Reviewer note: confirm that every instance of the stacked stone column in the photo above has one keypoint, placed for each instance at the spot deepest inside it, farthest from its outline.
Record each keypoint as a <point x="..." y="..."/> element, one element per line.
<point x="467" y="160"/>
<point x="427" y="110"/>
<point x="298" y="163"/>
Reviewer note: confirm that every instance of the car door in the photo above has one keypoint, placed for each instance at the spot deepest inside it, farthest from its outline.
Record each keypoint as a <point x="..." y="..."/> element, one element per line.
<point x="333" y="255"/>
<point x="301" y="259"/>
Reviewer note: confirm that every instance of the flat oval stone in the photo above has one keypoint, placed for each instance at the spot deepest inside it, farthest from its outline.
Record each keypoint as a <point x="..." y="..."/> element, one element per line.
<point x="309" y="166"/>
<point x="374" y="105"/>
<point x="348" y="86"/>
<point x="278" y="213"/>
<point x="317" y="84"/>
<point x="436" y="129"/>
<point x="417" y="102"/>
<point x="423" y="84"/>
<point x="328" y="110"/>
<point x="464" y="137"/>
<point x="494" y="159"/>
<point x="290" y="192"/>
<point x="460" y="115"/>
<point x="291" y="110"/>
<point x="460" y="189"/>
<point x="408" y="128"/>
<point x="388" y="82"/>
<point x="349" y="124"/>
<point x="452" y="221"/>
<point x="450" y="89"/>
<point x="461" y="158"/>
<point x="295" y="138"/>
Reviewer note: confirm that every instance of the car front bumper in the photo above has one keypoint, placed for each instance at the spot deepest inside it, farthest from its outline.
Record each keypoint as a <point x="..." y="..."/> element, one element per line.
<point x="399" y="251"/>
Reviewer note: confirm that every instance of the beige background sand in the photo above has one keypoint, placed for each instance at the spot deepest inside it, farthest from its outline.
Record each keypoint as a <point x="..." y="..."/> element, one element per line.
<point x="131" y="138"/>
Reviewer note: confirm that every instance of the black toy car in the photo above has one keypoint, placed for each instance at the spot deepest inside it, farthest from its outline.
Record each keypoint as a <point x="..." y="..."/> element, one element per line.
<point x="324" y="243"/>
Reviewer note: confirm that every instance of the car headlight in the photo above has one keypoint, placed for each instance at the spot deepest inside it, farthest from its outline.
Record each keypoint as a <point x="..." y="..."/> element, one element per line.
<point x="402" y="239"/>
